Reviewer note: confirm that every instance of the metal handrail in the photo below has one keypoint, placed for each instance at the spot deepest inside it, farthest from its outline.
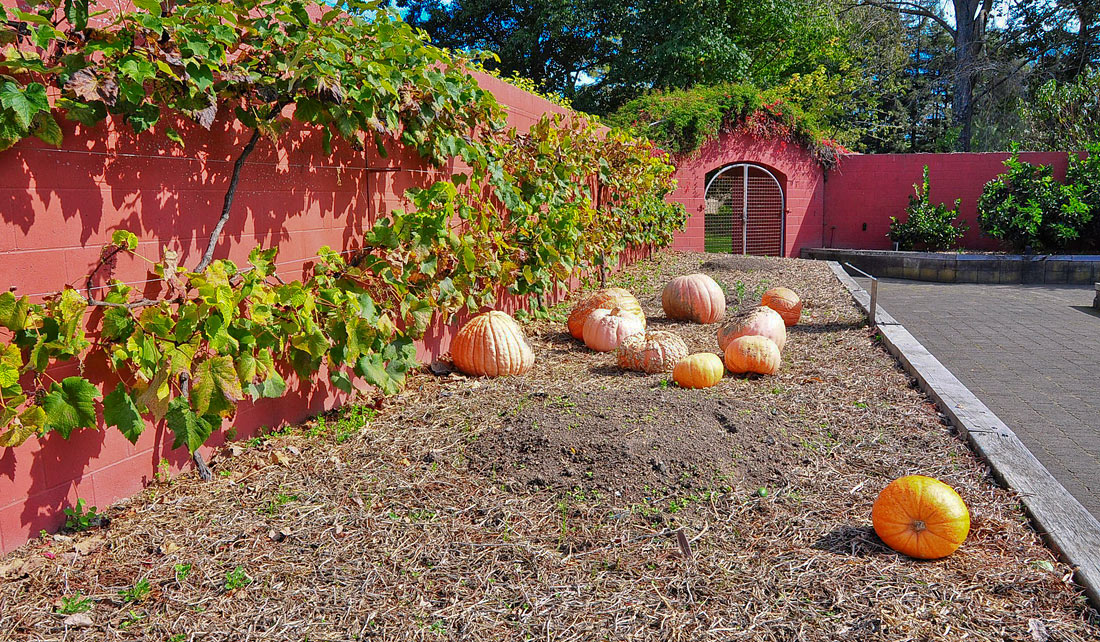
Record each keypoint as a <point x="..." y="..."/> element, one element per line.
<point x="874" y="292"/>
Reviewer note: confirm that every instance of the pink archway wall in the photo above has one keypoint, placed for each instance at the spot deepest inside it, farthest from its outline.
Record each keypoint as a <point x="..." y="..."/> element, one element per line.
<point x="799" y="176"/>
<point x="850" y="205"/>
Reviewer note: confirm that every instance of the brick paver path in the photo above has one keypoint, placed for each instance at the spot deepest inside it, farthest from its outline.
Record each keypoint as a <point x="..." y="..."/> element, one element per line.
<point x="1029" y="352"/>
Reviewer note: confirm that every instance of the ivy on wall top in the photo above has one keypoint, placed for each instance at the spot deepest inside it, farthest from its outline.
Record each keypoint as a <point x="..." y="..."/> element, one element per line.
<point x="534" y="210"/>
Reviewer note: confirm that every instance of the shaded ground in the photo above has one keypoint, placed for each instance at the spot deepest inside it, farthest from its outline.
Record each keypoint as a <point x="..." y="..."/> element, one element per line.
<point x="424" y="520"/>
<point x="1029" y="352"/>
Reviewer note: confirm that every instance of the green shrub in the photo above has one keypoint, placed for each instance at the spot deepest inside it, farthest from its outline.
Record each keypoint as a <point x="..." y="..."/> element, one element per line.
<point x="1030" y="210"/>
<point x="1084" y="174"/>
<point x="927" y="226"/>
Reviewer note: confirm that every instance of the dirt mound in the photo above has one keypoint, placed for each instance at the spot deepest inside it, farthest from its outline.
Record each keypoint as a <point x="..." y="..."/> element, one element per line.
<point x="632" y="442"/>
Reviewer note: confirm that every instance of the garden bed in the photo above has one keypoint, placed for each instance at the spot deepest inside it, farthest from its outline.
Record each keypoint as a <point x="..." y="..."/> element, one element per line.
<point x="564" y="504"/>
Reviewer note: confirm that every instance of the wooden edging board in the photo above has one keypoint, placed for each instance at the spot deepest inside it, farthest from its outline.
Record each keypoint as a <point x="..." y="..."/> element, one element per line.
<point x="1062" y="521"/>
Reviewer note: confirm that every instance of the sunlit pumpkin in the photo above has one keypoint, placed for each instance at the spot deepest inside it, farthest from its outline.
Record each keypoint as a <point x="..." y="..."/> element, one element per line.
<point x="607" y="299"/>
<point x="694" y="297"/>
<point x="492" y="344"/>
<point x="785" y="302"/>
<point x="605" y="329"/>
<point x="753" y="354"/>
<point x="760" y="321"/>
<point x="921" y="517"/>
<point x="653" y="351"/>
<point x="700" y="370"/>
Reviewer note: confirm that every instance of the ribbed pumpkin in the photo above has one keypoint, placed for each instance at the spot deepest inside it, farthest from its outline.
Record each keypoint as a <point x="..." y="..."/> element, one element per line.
<point x="605" y="329"/>
<point x="700" y="370"/>
<point x="655" y="351"/>
<point x="694" y="297"/>
<point x="753" y="354"/>
<point x="492" y="344"/>
<point x="785" y="302"/>
<point x="760" y="321"/>
<point x="921" y="517"/>
<point x="606" y="299"/>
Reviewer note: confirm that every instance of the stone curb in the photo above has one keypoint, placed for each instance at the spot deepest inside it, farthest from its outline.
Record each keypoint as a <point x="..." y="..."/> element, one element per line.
<point x="1062" y="521"/>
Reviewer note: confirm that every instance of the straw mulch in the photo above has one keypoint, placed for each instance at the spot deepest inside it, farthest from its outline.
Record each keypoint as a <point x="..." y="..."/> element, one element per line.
<point x="417" y="521"/>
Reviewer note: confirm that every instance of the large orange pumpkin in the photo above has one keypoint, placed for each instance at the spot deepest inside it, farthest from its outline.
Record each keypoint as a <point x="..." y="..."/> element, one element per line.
<point x="754" y="354"/>
<point x="492" y="344"/>
<point x="655" y="351"/>
<point x="607" y="299"/>
<point x="921" y="517"/>
<point x="605" y="329"/>
<point x="785" y="302"/>
<point x="700" y="370"/>
<point x="694" y="297"/>
<point x="760" y="321"/>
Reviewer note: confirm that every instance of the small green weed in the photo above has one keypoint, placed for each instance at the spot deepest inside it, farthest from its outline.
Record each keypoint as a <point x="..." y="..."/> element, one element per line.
<point x="74" y="604"/>
<point x="182" y="571"/>
<point x="236" y="579"/>
<point x="78" y="519"/>
<point x="136" y="593"/>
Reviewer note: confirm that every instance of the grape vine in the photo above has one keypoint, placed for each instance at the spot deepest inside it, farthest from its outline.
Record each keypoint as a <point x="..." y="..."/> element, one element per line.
<point x="534" y="209"/>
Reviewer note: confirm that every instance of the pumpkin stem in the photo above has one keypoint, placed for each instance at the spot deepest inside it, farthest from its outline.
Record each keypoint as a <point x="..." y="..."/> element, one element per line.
<point x="919" y="525"/>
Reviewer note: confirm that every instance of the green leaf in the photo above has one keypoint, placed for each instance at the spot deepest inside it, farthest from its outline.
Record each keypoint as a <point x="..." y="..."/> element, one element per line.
<point x="125" y="238"/>
<point x="13" y="312"/>
<point x="174" y="136"/>
<point x="216" y="387"/>
<point x="76" y="12"/>
<point x="341" y="380"/>
<point x="152" y="6"/>
<point x="11" y="360"/>
<point x="119" y="410"/>
<point x="70" y="405"/>
<point x="24" y="103"/>
<point x="190" y="429"/>
<point x="47" y="129"/>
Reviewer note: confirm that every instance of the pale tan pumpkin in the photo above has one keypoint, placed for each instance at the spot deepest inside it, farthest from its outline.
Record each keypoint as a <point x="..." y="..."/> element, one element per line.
<point x="605" y="329"/>
<point x="760" y="321"/>
<point x="653" y="351"/>
<point x="921" y="517"/>
<point x="608" y="298"/>
<point x="699" y="370"/>
<point x="694" y="297"/>
<point x="492" y="344"/>
<point x="785" y="302"/>
<point x="754" y="354"/>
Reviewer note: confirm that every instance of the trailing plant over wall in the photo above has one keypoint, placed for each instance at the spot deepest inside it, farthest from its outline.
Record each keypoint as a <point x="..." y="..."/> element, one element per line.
<point x="927" y="226"/>
<point x="534" y="209"/>
<point x="1031" y="210"/>
<point x="682" y="121"/>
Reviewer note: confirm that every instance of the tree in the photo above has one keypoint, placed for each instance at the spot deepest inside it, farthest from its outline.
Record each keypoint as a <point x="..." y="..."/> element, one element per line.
<point x="602" y="54"/>
<point x="968" y="34"/>
<point x="1061" y="40"/>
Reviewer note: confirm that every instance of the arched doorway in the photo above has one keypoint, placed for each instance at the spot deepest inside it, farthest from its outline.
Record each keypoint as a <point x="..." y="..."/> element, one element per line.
<point x="745" y="211"/>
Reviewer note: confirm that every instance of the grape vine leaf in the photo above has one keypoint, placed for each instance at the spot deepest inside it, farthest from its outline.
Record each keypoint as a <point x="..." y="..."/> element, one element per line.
<point x="216" y="387"/>
<point x="272" y="387"/>
<point x="120" y="410"/>
<point x="25" y="104"/>
<point x="13" y="311"/>
<point x="190" y="429"/>
<point x="29" y="422"/>
<point x="70" y="405"/>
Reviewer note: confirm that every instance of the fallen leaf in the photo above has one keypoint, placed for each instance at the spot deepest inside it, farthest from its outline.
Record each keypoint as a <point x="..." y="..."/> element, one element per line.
<point x="89" y="545"/>
<point x="169" y="548"/>
<point x="279" y="458"/>
<point x="78" y="621"/>
<point x="1038" y="630"/>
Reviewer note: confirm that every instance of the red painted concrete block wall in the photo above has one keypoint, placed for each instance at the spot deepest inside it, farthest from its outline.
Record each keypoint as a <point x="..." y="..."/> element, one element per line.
<point x="869" y="189"/>
<point x="59" y="206"/>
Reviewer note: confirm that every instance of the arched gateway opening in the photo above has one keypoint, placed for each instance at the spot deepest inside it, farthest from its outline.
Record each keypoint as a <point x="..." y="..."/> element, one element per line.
<point x="745" y="211"/>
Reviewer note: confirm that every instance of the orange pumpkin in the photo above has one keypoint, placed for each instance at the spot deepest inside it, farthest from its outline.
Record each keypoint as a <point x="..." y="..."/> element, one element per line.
<point x="655" y="351"/>
<point x="700" y="370"/>
<point x="754" y="354"/>
<point x="694" y="297"/>
<point x="605" y="329"/>
<point x="607" y="299"/>
<point x="921" y="517"/>
<point x="492" y="344"/>
<point x="760" y="321"/>
<point x="785" y="302"/>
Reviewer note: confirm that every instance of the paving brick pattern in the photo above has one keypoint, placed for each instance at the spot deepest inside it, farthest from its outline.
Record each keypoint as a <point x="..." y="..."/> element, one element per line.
<point x="1029" y="352"/>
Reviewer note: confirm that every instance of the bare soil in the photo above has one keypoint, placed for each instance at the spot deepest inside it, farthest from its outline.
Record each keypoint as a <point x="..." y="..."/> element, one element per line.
<point x="575" y="503"/>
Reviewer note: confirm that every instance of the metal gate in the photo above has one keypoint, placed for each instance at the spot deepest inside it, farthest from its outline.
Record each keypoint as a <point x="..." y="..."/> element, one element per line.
<point x="744" y="214"/>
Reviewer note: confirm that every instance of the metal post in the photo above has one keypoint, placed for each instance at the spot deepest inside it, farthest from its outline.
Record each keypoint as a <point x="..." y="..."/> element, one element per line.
<point x="874" y="293"/>
<point x="745" y="215"/>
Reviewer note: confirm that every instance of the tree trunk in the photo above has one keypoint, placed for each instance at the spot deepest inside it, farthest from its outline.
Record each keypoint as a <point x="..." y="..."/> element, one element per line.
<point x="967" y="45"/>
